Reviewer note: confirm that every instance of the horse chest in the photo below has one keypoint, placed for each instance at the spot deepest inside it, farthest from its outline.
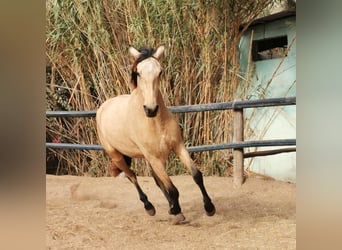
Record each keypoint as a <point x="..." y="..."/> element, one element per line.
<point x="155" y="139"/>
<point x="164" y="143"/>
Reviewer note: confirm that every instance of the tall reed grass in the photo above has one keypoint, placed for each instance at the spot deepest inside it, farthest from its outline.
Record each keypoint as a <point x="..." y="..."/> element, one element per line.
<point x="87" y="62"/>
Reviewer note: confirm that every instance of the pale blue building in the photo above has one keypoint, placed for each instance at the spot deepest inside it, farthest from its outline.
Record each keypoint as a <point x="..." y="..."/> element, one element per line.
<point x="267" y="54"/>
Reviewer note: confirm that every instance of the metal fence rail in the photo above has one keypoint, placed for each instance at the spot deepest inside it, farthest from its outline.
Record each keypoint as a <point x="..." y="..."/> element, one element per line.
<point x="238" y="143"/>
<point x="223" y="146"/>
<point x="195" y="108"/>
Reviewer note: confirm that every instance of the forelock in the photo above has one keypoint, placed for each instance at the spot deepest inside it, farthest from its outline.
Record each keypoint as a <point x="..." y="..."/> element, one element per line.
<point x="145" y="53"/>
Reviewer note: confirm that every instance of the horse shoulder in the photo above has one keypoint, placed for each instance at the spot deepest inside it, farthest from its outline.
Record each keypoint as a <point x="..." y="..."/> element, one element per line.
<point x="111" y="118"/>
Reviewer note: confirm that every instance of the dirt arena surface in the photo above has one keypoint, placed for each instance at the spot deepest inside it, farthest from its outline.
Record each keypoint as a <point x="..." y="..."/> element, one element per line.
<point x="105" y="213"/>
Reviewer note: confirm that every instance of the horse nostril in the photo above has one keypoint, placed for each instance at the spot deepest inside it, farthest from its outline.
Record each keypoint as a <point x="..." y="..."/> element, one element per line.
<point x="151" y="112"/>
<point x="156" y="109"/>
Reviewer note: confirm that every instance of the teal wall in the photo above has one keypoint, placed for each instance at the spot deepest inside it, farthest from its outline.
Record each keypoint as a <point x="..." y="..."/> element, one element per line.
<point x="273" y="122"/>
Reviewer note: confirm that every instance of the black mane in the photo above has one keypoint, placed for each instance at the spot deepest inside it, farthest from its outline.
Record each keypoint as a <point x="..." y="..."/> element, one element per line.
<point x="145" y="53"/>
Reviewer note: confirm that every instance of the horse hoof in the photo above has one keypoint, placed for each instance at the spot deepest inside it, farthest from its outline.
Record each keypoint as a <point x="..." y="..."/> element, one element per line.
<point x="150" y="210"/>
<point x="210" y="210"/>
<point x="178" y="219"/>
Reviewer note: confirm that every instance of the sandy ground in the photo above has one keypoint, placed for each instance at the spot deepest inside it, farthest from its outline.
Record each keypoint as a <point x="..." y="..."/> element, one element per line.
<point x="105" y="213"/>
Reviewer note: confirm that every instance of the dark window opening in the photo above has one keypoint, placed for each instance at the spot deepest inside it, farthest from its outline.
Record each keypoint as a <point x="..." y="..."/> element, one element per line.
<point x="269" y="48"/>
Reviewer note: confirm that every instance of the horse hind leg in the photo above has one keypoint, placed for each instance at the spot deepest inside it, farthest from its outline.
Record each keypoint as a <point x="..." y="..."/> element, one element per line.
<point x="197" y="175"/>
<point x="114" y="170"/>
<point x="128" y="160"/>
<point x="198" y="178"/>
<point x="122" y="164"/>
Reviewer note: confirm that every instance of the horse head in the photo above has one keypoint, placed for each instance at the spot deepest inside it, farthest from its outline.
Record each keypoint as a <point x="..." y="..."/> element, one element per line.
<point x="146" y="72"/>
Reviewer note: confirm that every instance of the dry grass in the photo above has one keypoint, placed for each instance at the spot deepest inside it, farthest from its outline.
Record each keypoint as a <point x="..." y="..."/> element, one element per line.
<point x="87" y="63"/>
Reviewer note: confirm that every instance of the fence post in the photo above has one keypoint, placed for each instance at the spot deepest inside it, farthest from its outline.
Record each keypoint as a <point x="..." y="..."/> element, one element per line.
<point x="238" y="178"/>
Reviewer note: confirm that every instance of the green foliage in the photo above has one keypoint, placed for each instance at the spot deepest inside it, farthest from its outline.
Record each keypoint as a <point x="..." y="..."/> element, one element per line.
<point x="87" y="62"/>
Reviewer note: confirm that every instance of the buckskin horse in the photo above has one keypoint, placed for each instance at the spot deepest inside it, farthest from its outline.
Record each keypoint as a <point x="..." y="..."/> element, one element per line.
<point x="139" y="125"/>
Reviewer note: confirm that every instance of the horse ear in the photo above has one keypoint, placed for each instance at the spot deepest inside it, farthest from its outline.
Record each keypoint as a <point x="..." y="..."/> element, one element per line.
<point x="159" y="52"/>
<point x="134" y="52"/>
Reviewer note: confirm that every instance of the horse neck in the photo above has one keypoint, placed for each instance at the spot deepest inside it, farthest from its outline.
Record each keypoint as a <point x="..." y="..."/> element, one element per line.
<point x="160" y="101"/>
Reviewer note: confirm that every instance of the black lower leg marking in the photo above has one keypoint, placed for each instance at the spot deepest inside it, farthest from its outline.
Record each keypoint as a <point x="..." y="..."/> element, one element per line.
<point x="173" y="202"/>
<point x="147" y="204"/>
<point x="208" y="205"/>
<point x="142" y="196"/>
<point x="171" y="195"/>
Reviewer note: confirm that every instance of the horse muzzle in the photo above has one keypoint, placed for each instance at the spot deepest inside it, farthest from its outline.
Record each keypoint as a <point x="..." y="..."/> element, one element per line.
<point x="151" y="112"/>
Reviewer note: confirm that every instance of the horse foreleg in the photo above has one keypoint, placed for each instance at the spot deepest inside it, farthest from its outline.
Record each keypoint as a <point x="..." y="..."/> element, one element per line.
<point x="121" y="163"/>
<point x="184" y="156"/>
<point x="171" y="195"/>
<point x="169" y="190"/>
<point x="160" y="185"/>
<point x="143" y="197"/>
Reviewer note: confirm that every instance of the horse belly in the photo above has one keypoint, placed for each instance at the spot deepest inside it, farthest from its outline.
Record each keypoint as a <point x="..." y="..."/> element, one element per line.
<point x="118" y="140"/>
